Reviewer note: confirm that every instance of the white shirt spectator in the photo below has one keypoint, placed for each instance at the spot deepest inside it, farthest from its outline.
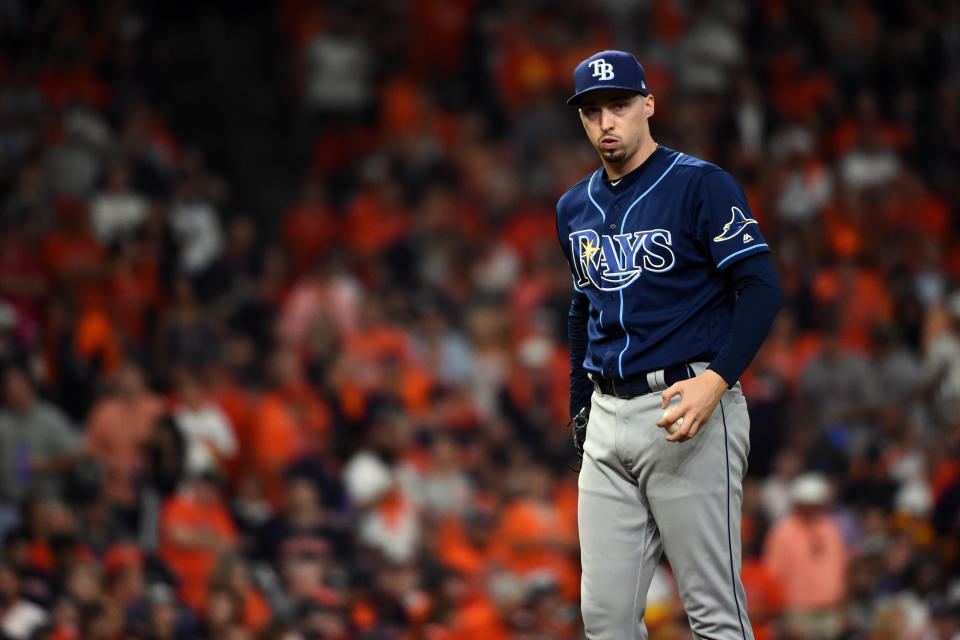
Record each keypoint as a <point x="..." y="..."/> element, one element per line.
<point x="197" y="230"/>
<point x="861" y="168"/>
<point x="707" y="54"/>
<point x="339" y="72"/>
<point x="117" y="214"/>
<point x="751" y="120"/>
<point x="369" y="481"/>
<point x="942" y="363"/>
<point x="397" y="538"/>
<point x="208" y="435"/>
<point x="22" y="619"/>
<point x="803" y="193"/>
<point x="444" y="489"/>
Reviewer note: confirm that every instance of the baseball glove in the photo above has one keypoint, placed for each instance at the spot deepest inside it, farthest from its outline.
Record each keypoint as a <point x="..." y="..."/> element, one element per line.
<point x="578" y="430"/>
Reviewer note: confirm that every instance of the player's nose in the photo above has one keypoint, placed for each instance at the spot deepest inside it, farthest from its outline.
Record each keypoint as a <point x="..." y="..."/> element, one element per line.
<point x="606" y="121"/>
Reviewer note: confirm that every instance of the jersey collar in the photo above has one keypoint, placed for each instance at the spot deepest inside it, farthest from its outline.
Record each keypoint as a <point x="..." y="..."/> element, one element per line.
<point x="626" y="181"/>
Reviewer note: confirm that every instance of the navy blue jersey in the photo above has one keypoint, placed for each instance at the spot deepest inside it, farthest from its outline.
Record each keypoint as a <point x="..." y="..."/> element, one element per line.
<point x="648" y="253"/>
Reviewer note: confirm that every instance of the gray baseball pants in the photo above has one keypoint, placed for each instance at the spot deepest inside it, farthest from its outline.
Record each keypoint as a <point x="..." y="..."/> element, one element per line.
<point x="641" y="496"/>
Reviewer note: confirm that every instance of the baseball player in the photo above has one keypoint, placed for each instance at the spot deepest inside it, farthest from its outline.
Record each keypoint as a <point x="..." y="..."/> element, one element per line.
<point x="674" y="291"/>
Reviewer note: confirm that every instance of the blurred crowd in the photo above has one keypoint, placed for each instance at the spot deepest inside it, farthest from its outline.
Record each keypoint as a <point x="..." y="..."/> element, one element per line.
<point x="334" y="407"/>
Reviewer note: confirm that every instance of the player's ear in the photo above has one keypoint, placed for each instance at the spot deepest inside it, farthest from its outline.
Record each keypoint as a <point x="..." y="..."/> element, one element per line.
<point x="648" y="105"/>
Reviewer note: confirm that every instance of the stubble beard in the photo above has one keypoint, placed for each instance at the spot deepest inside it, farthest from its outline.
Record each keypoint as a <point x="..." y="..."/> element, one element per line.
<point x="618" y="155"/>
<point x="622" y="154"/>
<point x="614" y="156"/>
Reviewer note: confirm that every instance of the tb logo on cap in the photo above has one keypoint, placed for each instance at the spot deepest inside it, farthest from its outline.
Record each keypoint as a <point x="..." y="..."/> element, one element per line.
<point x="601" y="69"/>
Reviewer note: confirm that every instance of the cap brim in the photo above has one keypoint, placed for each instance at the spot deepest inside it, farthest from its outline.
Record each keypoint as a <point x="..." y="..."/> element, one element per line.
<point x="574" y="100"/>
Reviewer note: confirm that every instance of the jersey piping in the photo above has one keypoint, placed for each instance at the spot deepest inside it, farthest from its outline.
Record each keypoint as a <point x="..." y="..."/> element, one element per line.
<point x="735" y="254"/>
<point x="603" y="215"/>
<point x="623" y="225"/>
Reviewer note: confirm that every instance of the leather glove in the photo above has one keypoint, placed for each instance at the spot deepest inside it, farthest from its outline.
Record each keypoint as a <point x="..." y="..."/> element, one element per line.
<point x="578" y="431"/>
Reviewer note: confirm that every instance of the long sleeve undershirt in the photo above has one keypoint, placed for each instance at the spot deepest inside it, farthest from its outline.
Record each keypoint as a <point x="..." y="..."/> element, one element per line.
<point x="758" y="300"/>
<point x="580" y="385"/>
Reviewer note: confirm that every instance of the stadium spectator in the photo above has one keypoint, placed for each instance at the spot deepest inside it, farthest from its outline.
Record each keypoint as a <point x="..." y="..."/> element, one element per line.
<point x="841" y="389"/>
<point x="210" y="440"/>
<point x="442" y="487"/>
<point x="337" y="67"/>
<point x="942" y="359"/>
<point x="310" y="228"/>
<point x="288" y="415"/>
<point x="117" y="211"/>
<point x="389" y="520"/>
<point x="304" y="526"/>
<point x="196" y="229"/>
<point x="536" y="533"/>
<point x="195" y="530"/>
<point x="118" y="427"/>
<point x="124" y="574"/>
<point x="133" y="288"/>
<point x="159" y="615"/>
<point x="24" y="279"/>
<point x="232" y="578"/>
<point x="19" y="617"/>
<point x="185" y="334"/>
<point x="806" y="554"/>
<point x="38" y="445"/>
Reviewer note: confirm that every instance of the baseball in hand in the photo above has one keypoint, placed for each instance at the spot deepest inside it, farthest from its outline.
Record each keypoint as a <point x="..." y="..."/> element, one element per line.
<point x="673" y="426"/>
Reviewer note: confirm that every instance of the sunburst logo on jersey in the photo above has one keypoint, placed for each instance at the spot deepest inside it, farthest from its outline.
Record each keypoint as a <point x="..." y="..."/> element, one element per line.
<point x="588" y="250"/>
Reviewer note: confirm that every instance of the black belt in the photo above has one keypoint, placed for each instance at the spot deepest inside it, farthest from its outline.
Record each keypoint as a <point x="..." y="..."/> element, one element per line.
<point x="640" y="385"/>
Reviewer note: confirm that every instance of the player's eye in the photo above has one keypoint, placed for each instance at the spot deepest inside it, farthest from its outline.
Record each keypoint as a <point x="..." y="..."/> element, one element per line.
<point x="589" y="111"/>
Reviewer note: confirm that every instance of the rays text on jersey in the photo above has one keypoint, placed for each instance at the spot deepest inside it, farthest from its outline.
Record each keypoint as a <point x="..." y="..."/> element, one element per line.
<point x="612" y="262"/>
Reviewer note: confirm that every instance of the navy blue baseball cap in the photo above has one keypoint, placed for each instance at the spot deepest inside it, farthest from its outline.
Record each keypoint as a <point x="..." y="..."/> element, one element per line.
<point x="608" y="70"/>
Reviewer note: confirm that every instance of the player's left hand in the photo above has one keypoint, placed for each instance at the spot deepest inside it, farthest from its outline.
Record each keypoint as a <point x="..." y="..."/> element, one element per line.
<point x="578" y="430"/>
<point x="698" y="398"/>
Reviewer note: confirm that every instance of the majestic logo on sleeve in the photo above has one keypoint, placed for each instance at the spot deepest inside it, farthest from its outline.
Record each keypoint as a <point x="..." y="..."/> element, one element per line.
<point x="601" y="69"/>
<point x="612" y="262"/>
<point x="738" y="222"/>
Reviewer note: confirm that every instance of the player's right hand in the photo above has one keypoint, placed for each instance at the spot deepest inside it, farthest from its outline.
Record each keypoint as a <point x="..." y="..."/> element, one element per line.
<point x="698" y="398"/>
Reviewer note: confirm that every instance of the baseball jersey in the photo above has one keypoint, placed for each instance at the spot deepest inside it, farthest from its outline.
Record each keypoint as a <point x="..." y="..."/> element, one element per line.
<point x="648" y="251"/>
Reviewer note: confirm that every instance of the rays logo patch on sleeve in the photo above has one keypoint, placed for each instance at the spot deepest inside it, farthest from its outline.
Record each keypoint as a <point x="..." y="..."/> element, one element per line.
<point x="738" y="222"/>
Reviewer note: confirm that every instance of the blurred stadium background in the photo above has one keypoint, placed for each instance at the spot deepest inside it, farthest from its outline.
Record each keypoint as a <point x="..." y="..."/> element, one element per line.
<point x="283" y="314"/>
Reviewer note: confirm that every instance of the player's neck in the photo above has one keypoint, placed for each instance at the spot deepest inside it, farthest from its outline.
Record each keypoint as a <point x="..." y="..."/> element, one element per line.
<point x="615" y="171"/>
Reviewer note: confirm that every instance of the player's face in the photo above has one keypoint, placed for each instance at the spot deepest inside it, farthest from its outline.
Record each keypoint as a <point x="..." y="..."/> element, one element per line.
<point x="616" y="123"/>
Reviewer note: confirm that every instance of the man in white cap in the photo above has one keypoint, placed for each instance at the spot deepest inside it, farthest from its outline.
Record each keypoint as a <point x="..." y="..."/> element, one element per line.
<point x="806" y="552"/>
